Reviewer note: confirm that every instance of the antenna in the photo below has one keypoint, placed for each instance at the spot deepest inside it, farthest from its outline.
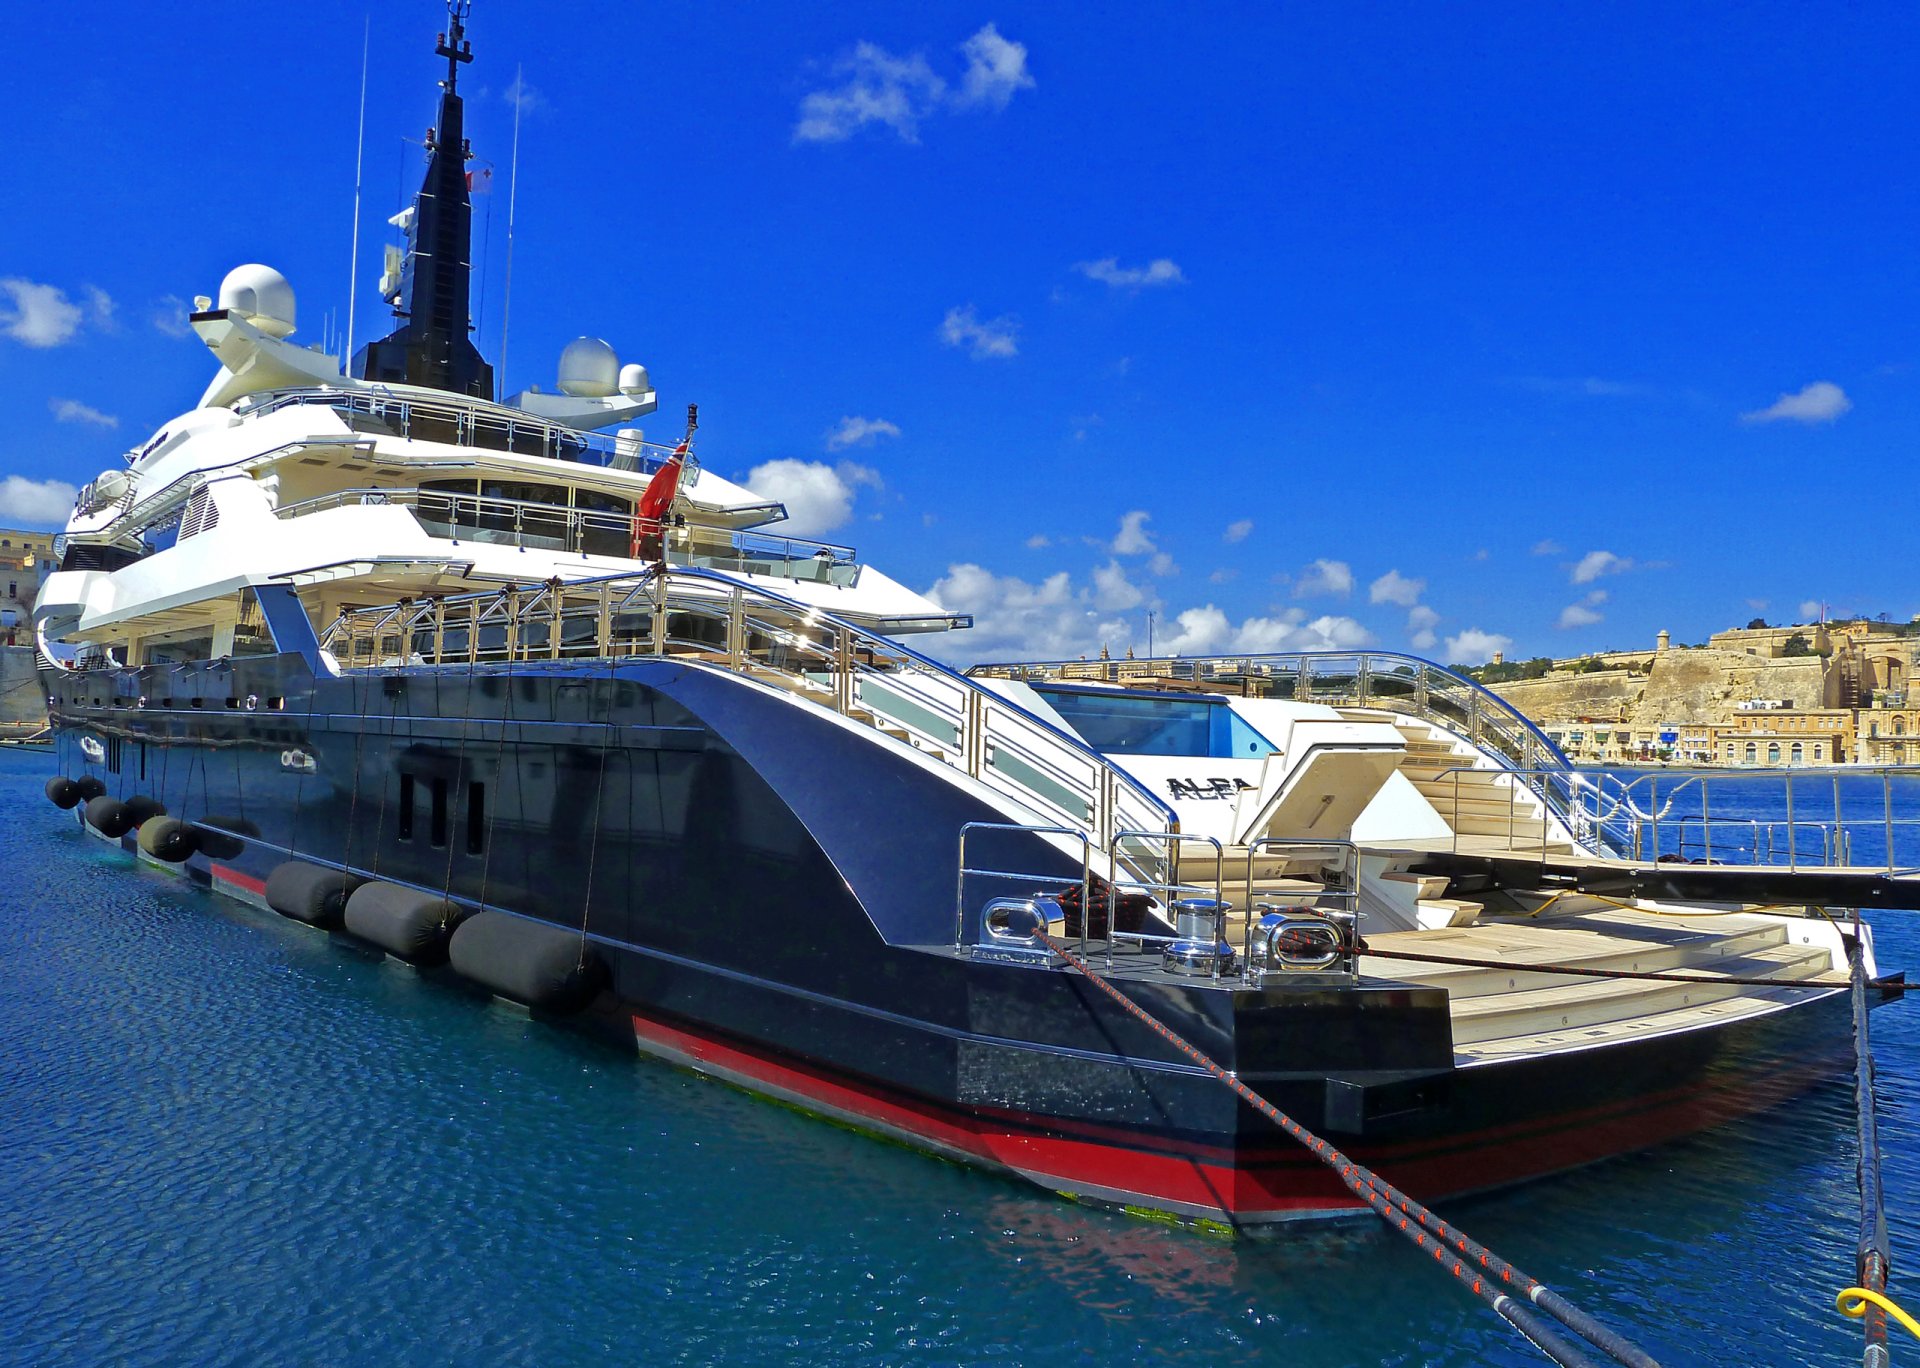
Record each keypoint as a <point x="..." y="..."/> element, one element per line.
<point x="359" y="161"/>
<point x="513" y="197"/>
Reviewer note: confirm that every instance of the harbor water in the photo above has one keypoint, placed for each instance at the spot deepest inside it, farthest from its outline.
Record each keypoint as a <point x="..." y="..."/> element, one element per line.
<point x="228" y="1139"/>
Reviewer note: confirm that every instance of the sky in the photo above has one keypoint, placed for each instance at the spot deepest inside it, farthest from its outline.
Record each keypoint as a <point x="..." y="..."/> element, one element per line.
<point x="1441" y="329"/>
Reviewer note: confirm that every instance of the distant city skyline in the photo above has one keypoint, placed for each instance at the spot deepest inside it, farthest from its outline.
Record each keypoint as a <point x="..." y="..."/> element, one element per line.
<point x="1515" y="330"/>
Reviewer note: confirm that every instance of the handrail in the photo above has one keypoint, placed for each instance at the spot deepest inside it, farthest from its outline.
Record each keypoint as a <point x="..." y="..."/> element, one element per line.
<point x="827" y="660"/>
<point x="519" y="522"/>
<point x="1386" y="680"/>
<point x="474" y="422"/>
<point x="1629" y="814"/>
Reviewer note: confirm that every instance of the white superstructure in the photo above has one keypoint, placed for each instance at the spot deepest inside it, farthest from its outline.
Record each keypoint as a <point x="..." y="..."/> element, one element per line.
<point x="351" y="492"/>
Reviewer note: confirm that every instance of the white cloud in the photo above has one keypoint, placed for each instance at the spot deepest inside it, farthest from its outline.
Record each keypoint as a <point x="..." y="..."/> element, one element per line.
<point x="1421" y="620"/>
<point x="1039" y="541"/>
<point x="40" y="316"/>
<point x="522" y="96"/>
<point x="1223" y="576"/>
<point x="1133" y="539"/>
<point x="1595" y="564"/>
<point x="995" y="337"/>
<point x="1237" y="531"/>
<point x="1207" y="630"/>
<point x="880" y="88"/>
<point x="100" y="306"/>
<point x="1394" y="587"/>
<point x="1109" y="271"/>
<point x="1578" y="615"/>
<point x="35" y="502"/>
<point x="169" y="316"/>
<point x="1015" y="619"/>
<point x="1196" y="631"/>
<point x="859" y="432"/>
<point x="1162" y="564"/>
<point x="899" y="92"/>
<point x="1333" y="634"/>
<point x="996" y="68"/>
<point x="1812" y="610"/>
<point x="818" y="497"/>
<point x="1821" y="402"/>
<point x="1113" y="591"/>
<point x="1329" y="578"/>
<point x="1475" y="647"/>
<point x="1585" y="386"/>
<point x="73" y="411"/>
<point x="1549" y="547"/>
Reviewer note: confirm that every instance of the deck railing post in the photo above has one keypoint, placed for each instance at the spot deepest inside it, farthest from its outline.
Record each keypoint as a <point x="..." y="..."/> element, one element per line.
<point x="736" y="630"/>
<point x="1886" y="811"/>
<point x="1839" y="826"/>
<point x="843" y="691"/>
<point x="659" y="624"/>
<point x="553" y="632"/>
<point x="603" y="630"/>
<point x="1793" y="834"/>
<point x="513" y="624"/>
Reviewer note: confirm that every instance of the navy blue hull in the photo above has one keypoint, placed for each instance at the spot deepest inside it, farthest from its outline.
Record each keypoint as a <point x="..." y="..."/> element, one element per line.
<point x="774" y="889"/>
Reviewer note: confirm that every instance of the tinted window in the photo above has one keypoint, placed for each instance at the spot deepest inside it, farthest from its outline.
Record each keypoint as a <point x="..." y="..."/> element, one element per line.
<point x="1139" y="724"/>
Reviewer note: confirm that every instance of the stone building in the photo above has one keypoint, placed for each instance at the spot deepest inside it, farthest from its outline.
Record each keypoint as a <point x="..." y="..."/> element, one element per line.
<point x="1774" y="737"/>
<point x="24" y="558"/>
<point x="1888" y="736"/>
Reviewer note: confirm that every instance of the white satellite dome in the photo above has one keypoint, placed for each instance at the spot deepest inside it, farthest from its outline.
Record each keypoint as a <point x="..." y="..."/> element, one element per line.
<point x="634" y="380"/>
<point x="261" y="295"/>
<point x="589" y="369"/>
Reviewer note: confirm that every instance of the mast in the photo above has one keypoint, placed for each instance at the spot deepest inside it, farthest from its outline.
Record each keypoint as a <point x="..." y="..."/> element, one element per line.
<point x="431" y="346"/>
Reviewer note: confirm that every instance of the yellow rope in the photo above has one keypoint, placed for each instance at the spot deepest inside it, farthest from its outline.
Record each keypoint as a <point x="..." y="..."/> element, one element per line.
<point x="1857" y="1307"/>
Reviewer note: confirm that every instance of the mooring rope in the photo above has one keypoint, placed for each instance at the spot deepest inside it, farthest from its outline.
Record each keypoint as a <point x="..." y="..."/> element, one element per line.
<point x="1473" y="1265"/>
<point x="1867" y="1298"/>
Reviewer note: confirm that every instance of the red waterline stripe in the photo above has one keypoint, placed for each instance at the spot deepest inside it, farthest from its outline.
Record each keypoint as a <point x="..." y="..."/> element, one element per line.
<point x="228" y="874"/>
<point x="1267" y="1187"/>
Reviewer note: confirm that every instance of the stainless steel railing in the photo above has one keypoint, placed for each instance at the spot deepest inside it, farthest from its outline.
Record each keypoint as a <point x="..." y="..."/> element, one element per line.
<point x="1381" y="680"/>
<point x="701" y="616"/>
<point x="1860" y="816"/>
<point x="556" y="527"/>
<point x="471" y="423"/>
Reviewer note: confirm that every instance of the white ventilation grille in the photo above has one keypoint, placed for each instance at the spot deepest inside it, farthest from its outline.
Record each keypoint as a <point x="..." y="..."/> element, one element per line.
<point x="201" y="515"/>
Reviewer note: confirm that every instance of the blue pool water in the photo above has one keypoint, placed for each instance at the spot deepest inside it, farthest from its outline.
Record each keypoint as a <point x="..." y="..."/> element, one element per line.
<point x="226" y="1139"/>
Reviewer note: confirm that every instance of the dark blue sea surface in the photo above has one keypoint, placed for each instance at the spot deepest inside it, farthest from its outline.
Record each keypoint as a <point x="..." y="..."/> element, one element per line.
<point x="226" y="1139"/>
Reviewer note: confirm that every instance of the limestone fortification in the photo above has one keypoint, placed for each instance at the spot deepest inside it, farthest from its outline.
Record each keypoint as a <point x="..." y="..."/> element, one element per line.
<point x="1679" y="686"/>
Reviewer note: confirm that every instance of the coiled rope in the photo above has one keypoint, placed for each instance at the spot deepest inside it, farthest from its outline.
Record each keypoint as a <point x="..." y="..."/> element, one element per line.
<point x="1483" y="1272"/>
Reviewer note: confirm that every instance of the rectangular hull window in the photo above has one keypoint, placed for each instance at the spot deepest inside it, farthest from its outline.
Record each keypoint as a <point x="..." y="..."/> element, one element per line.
<point x="476" y="818"/>
<point x="405" y="828"/>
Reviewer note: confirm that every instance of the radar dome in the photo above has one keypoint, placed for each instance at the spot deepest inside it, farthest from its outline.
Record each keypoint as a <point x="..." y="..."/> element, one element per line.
<point x="260" y="295"/>
<point x="633" y="380"/>
<point x="589" y="369"/>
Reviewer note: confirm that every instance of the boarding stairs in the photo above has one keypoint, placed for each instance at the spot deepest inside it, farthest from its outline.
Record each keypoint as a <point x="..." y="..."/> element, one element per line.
<point x="1471" y="792"/>
<point x="1515" y="1011"/>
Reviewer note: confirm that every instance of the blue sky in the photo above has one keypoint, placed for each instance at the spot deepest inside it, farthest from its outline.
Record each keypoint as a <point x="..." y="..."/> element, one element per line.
<point x="1436" y="328"/>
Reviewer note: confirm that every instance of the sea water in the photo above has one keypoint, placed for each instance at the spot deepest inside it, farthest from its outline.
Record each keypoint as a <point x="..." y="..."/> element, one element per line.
<point x="227" y="1139"/>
